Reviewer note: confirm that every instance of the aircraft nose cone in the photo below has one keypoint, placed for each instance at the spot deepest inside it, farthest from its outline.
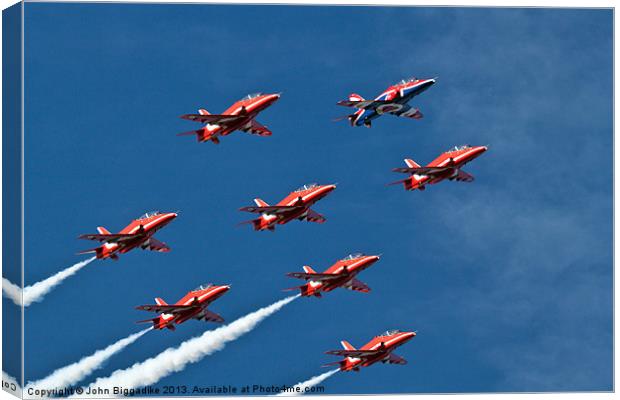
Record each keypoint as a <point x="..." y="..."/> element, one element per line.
<point x="481" y="149"/>
<point x="429" y="82"/>
<point x="169" y="217"/>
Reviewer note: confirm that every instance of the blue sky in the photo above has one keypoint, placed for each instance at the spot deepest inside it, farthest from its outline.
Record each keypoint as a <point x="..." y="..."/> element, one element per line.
<point x="508" y="280"/>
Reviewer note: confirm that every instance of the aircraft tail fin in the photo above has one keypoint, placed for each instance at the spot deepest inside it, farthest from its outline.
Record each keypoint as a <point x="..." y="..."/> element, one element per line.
<point x="340" y="363"/>
<point x="158" y="323"/>
<point x="306" y="290"/>
<point x="346" y="345"/>
<point x="89" y="251"/>
<point x="160" y="301"/>
<point x="259" y="224"/>
<point x="411" y="164"/>
<point x="190" y="133"/>
<point x="103" y="230"/>
<point x="399" y="182"/>
<point x="410" y="183"/>
<point x="100" y="252"/>
<point x="355" y="97"/>
<point x="308" y="269"/>
<point x="202" y="135"/>
<point x="202" y="111"/>
<point x="261" y="203"/>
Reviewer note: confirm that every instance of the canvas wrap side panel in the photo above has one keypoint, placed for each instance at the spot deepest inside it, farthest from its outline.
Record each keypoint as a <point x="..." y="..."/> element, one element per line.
<point x="12" y="346"/>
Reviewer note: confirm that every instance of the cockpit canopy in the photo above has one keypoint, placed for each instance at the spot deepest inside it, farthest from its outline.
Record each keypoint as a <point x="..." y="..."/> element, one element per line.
<point x="149" y="214"/>
<point x="307" y="186"/>
<point x="408" y="80"/>
<point x="390" y="332"/>
<point x="353" y="256"/>
<point x="459" y="148"/>
<point x="203" y="287"/>
<point x="252" y="96"/>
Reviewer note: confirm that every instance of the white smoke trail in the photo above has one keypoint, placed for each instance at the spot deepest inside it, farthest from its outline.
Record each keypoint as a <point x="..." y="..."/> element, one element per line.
<point x="301" y="386"/>
<point x="11" y="385"/>
<point x="72" y="374"/>
<point x="193" y="350"/>
<point x="12" y="291"/>
<point x="36" y="292"/>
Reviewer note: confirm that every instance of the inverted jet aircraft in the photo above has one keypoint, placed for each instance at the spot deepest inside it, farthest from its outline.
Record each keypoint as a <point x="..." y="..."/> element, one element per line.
<point x="192" y="306"/>
<point x="139" y="233"/>
<point x="240" y="116"/>
<point x="342" y="274"/>
<point x="294" y="206"/>
<point x="392" y="101"/>
<point x="447" y="166"/>
<point x="378" y="349"/>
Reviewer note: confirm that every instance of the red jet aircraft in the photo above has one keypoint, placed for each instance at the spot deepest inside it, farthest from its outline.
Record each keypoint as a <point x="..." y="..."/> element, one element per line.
<point x="446" y="166"/>
<point x="296" y="205"/>
<point x="378" y="349"/>
<point x="341" y="274"/>
<point x="392" y="101"/>
<point x="138" y="233"/>
<point x="240" y="116"/>
<point x="192" y="306"/>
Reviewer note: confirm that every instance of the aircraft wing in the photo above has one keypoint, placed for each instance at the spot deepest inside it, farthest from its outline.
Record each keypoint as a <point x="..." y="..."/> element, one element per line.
<point x="313" y="276"/>
<point x="109" y="238"/>
<point x="357" y="285"/>
<point x="166" y="309"/>
<point x="394" y="359"/>
<point x="402" y="111"/>
<point x="256" y="128"/>
<point x="155" y="245"/>
<point x="463" y="176"/>
<point x="364" y="104"/>
<point x="353" y="353"/>
<point x="213" y="118"/>
<point x="273" y="210"/>
<point x="313" y="216"/>
<point x="207" y="315"/>
<point x="422" y="170"/>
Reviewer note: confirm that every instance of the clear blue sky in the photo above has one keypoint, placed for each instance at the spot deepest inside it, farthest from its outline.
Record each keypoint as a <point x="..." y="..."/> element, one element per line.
<point x="508" y="280"/>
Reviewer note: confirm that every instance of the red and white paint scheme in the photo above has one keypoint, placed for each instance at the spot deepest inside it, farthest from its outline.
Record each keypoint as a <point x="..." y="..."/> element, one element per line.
<point x="447" y="166"/>
<point x="378" y="349"/>
<point x="192" y="306"/>
<point x="240" y="116"/>
<point x="139" y="233"/>
<point x="294" y="206"/>
<point x="342" y="274"/>
<point x="392" y="101"/>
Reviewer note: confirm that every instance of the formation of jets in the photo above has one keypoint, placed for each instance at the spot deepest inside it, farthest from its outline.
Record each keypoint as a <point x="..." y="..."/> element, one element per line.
<point x="296" y="205"/>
